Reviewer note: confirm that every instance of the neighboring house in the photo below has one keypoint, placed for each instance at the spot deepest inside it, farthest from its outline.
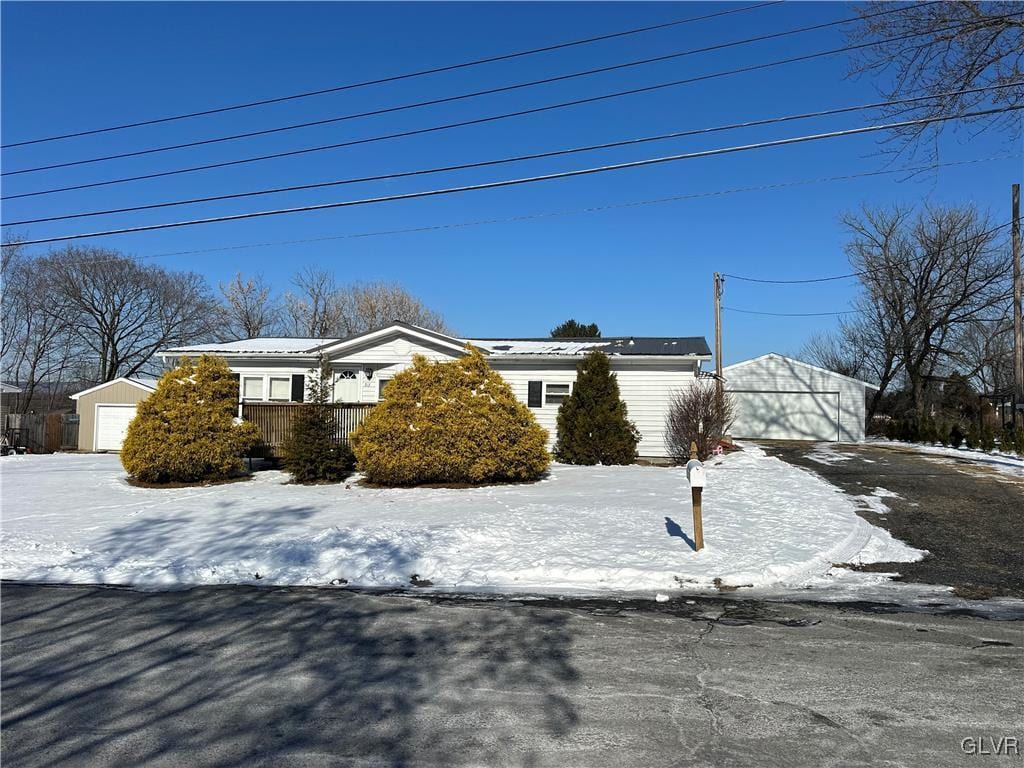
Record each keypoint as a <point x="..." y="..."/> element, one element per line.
<point x="540" y="371"/>
<point x="8" y="393"/>
<point x="104" y="412"/>
<point x="779" y="398"/>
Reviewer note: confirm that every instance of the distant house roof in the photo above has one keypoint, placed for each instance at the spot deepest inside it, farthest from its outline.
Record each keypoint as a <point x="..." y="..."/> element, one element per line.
<point x="682" y="346"/>
<point x="9" y="389"/>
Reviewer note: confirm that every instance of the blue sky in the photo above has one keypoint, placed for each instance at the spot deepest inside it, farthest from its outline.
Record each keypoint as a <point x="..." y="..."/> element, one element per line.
<point x="643" y="270"/>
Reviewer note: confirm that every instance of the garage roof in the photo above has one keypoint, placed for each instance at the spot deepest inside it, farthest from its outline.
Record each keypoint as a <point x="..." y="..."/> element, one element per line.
<point x="147" y="384"/>
<point x="801" y="363"/>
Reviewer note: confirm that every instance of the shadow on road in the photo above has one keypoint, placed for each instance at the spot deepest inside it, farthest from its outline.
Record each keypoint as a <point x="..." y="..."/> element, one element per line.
<point x="266" y="677"/>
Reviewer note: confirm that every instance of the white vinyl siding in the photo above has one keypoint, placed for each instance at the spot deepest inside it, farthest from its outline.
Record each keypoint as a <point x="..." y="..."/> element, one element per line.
<point x="783" y="399"/>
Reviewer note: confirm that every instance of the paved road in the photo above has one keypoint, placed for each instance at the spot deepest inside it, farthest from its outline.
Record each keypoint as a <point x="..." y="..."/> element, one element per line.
<point x="295" y="677"/>
<point x="966" y="514"/>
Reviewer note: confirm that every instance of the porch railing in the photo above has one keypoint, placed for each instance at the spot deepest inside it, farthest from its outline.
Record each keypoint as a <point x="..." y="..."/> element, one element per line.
<point x="275" y="421"/>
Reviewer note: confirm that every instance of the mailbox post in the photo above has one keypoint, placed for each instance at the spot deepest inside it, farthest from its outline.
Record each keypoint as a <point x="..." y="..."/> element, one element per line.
<point x="697" y="479"/>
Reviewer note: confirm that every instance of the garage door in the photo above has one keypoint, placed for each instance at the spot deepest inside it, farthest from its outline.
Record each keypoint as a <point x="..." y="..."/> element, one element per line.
<point x="111" y="425"/>
<point x="786" y="415"/>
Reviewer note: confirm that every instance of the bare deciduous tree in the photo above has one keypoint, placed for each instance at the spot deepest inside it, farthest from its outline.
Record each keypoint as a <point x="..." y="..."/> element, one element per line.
<point x="38" y="347"/>
<point x="697" y="415"/>
<point x="936" y="48"/>
<point x="365" y="306"/>
<point x="249" y="309"/>
<point x="122" y="311"/>
<point x="836" y="352"/>
<point x="319" y="308"/>
<point x="312" y="309"/>
<point x="924" y="277"/>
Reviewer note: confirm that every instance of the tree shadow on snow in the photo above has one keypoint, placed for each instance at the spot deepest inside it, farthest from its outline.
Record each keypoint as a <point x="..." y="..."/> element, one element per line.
<point x="674" y="530"/>
<point x="237" y="676"/>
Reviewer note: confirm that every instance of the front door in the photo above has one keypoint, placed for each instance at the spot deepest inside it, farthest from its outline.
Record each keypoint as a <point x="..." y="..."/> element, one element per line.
<point x="346" y="388"/>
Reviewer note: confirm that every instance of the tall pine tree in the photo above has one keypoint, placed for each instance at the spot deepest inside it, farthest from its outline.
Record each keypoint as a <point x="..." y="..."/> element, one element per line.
<point x="313" y="453"/>
<point x="593" y="426"/>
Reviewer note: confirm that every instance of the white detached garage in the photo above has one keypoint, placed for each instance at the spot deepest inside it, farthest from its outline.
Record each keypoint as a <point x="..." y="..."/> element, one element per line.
<point x="779" y="398"/>
<point x="104" y="412"/>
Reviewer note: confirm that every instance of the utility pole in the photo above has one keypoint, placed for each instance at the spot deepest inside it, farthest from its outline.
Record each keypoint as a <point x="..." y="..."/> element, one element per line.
<point x="1018" y="335"/>
<point x="719" y="384"/>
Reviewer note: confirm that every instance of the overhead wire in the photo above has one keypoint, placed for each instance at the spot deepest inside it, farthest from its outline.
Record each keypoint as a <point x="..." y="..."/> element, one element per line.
<point x="393" y="78"/>
<point x="528" y="179"/>
<point x="500" y="161"/>
<point x="447" y="126"/>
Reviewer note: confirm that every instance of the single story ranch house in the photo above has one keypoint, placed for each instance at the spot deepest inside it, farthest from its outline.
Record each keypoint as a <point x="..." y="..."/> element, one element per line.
<point x="540" y="371"/>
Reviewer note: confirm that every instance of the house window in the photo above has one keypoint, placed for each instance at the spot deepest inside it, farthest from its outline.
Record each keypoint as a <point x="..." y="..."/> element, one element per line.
<point x="252" y="387"/>
<point x="381" y="383"/>
<point x="533" y="394"/>
<point x="280" y="388"/>
<point x="555" y="393"/>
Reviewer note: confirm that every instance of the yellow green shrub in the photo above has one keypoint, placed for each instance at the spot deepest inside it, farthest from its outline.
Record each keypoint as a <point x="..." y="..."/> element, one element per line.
<point x="455" y="422"/>
<point x="186" y="431"/>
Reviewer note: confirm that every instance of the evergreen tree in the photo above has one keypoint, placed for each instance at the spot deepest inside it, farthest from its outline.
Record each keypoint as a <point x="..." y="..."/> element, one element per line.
<point x="593" y="426"/>
<point x="570" y="329"/>
<point x="187" y="430"/>
<point x="455" y="422"/>
<point x="312" y="452"/>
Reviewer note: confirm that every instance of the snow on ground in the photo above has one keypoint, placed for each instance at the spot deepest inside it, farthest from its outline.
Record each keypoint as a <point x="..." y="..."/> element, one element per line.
<point x="74" y="518"/>
<point x="1007" y="463"/>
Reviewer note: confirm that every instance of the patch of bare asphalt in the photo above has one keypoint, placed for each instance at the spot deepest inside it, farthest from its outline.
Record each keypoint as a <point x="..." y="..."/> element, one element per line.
<point x="969" y="517"/>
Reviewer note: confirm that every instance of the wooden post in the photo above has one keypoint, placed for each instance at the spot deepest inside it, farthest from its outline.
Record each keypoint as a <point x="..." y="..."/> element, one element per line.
<point x="1018" y="334"/>
<point x="695" y="498"/>
<point x="718" y="334"/>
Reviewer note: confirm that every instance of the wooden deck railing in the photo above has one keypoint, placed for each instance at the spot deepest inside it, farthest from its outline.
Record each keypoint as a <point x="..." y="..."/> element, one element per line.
<point x="275" y="421"/>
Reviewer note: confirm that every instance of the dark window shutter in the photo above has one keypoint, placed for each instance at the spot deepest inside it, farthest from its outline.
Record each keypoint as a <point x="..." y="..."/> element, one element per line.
<point x="535" y="389"/>
<point x="238" y="385"/>
<point x="298" y="387"/>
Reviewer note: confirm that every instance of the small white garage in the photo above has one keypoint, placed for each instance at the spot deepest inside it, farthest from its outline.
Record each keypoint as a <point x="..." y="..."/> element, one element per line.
<point x="104" y="412"/>
<point x="779" y="398"/>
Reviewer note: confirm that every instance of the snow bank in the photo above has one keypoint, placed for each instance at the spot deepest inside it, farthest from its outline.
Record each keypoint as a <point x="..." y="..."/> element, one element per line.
<point x="73" y="518"/>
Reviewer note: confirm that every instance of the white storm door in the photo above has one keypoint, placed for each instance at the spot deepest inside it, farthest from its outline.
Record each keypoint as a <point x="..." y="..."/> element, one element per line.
<point x="346" y="387"/>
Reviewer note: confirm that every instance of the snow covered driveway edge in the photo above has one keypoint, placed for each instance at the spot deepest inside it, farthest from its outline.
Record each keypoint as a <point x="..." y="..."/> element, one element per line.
<point x="73" y="518"/>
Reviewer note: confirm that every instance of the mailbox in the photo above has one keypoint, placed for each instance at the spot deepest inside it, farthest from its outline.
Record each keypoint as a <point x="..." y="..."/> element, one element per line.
<point x="695" y="474"/>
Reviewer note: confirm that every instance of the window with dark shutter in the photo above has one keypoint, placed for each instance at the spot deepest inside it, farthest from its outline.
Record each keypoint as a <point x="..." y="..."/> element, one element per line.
<point x="298" y="387"/>
<point x="534" y="396"/>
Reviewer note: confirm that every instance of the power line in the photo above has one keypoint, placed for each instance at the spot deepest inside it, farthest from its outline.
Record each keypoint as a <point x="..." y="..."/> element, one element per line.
<point x="860" y="273"/>
<point x="464" y="123"/>
<point x="790" y="314"/>
<point x="445" y="99"/>
<point x="566" y="212"/>
<point x="396" y="78"/>
<point x="526" y="180"/>
<point x="502" y="161"/>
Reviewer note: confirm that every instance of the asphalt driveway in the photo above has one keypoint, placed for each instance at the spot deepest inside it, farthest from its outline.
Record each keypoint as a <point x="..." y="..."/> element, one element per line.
<point x="241" y="676"/>
<point x="968" y="516"/>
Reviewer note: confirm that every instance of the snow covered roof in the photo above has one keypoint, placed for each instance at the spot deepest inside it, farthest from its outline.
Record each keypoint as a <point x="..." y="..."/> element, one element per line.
<point x="687" y="346"/>
<point x="677" y="346"/>
<point x="9" y="389"/>
<point x="265" y="345"/>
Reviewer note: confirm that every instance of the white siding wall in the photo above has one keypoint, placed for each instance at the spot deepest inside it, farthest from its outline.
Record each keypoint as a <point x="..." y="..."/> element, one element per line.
<point x="780" y="374"/>
<point x="646" y="389"/>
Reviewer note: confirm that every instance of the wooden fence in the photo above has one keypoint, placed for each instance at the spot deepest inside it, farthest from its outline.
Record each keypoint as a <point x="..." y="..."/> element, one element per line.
<point x="43" y="432"/>
<point x="275" y="421"/>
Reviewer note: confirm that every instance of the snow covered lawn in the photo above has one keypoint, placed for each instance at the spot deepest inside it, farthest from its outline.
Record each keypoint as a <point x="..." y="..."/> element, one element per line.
<point x="73" y="518"/>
